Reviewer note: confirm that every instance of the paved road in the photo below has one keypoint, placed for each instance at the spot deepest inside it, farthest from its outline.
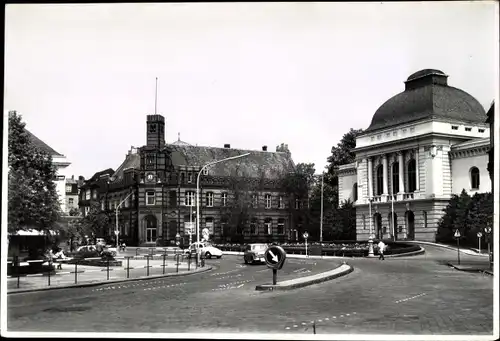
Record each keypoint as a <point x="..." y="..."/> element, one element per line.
<point x="414" y="295"/>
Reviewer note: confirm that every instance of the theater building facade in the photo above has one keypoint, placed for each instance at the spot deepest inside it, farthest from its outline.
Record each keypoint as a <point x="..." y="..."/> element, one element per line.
<point x="423" y="145"/>
<point x="156" y="186"/>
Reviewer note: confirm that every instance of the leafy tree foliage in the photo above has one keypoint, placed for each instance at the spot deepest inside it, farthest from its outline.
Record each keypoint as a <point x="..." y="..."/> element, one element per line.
<point x="32" y="197"/>
<point x="74" y="212"/>
<point x="95" y="223"/>
<point x="467" y="214"/>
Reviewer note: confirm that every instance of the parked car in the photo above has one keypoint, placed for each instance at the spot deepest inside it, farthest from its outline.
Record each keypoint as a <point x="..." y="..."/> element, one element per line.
<point x="90" y="248"/>
<point x="207" y="250"/>
<point x="254" y="253"/>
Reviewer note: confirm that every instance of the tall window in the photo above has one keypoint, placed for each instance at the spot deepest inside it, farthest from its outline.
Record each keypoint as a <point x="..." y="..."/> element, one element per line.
<point x="380" y="180"/>
<point x="189" y="198"/>
<point x="210" y="199"/>
<point x="103" y="206"/>
<point x="395" y="178"/>
<point x="280" y="202"/>
<point x="150" y="198"/>
<point x="70" y="201"/>
<point x="253" y="226"/>
<point x="412" y="176"/>
<point x="255" y="201"/>
<point x="68" y="188"/>
<point x="182" y="178"/>
<point x="223" y="198"/>
<point x="425" y="219"/>
<point x="87" y="194"/>
<point x="281" y="226"/>
<point x="355" y="192"/>
<point x="474" y="178"/>
<point x="190" y="178"/>
<point x="268" y="225"/>
<point x="297" y="204"/>
<point x="268" y="200"/>
<point x="205" y="171"/>
<point x="172" y="198"/>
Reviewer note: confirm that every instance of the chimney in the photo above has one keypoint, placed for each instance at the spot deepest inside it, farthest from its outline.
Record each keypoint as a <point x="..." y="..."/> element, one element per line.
<point x="264" y="148"/>
<point x="277" y="148"/>
<point x="227" y="145"/>
<point x="72" y="177"/>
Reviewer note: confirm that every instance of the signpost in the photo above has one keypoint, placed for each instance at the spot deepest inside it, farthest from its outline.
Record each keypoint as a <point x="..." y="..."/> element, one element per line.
<point x="487" y="230"/>
<point x="306" y="235"/>
<point x="275" y="258"/>
<point x="457" y="236"/>
<point x="479" y="235"/>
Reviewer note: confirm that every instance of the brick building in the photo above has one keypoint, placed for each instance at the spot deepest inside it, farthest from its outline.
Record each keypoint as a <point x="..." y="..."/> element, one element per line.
<point x="158" y="185"/>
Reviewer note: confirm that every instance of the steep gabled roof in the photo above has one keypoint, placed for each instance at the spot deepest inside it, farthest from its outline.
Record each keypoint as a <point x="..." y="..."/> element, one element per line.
<point x="131" y="161"/>
<point x="258" y="164"/>
<point x="42" y="145"/>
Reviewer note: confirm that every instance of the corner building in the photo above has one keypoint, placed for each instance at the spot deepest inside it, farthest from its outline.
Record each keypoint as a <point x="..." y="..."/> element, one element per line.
<point x="423" y="145"/>
<point x="160" y="182"/>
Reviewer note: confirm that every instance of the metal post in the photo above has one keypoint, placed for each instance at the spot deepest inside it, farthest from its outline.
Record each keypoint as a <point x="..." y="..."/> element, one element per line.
<point x="479" y="245"/>
<point x="107" y="268"/>
<point x="177" y="262"/>
<point x="147" y="265"/>
<point x="189" y="264"/>
<point x="18" y="269"/>
<point x="321" y="220"/>
<point x="128" y="266"/>
<point x="370" y="239"/>
<point x="306" y="247"/>
<point x="164" y="255"/>
<point x="50" y="263"/>
<point x="458" y="249"/>
<point x="275" y="276"/>
<point x="314" y="327"/>
<point x="76" y="271"/>
<point x="137" y="251"/>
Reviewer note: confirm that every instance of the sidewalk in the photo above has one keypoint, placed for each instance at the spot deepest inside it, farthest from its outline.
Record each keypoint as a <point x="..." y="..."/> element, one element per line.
<point x="472" y="266"/>
<point x="86" y="275"/>
<point x="467" y="251"/>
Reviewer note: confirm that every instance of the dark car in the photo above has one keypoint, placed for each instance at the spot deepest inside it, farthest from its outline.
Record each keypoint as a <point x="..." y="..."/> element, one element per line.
<point x="254" y="253"/>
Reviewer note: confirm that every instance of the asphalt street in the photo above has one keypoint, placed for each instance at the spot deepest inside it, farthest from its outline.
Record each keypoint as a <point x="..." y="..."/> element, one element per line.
<point x="411" y="295"/>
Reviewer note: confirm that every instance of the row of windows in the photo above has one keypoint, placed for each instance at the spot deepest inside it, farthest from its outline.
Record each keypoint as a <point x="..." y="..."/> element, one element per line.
<point x="480" y="130"/>
<point x="189" y="199"/>
<point x="253" y="227"/>
<point x="412" y="178"/>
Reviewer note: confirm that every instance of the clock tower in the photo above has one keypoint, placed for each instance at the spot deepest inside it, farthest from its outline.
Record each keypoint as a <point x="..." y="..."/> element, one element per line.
<point x="155" y="134"/>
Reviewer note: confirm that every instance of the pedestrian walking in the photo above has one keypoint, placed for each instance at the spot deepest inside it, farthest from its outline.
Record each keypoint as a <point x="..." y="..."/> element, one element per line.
<point x="381" y="249"/>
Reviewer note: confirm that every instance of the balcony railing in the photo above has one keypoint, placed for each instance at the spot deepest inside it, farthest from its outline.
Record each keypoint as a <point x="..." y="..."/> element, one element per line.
<point x="389" y="197"/>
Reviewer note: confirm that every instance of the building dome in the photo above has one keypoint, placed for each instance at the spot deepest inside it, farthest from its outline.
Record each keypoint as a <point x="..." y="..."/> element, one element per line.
<point x="427" y="95"/>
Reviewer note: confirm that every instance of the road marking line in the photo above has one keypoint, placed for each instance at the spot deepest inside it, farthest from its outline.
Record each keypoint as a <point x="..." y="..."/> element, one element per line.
<point x="327" y="319"/>
<point x="334" y="317"/>
<point x="354" y="313"/>
<point x="341" y="315"/>
<point x="347" y="314"/>
<point x="287" y="327"/>
<point x="295" y="326"/>
<point x="320" y="320"/>
<point x="303" y="323"/>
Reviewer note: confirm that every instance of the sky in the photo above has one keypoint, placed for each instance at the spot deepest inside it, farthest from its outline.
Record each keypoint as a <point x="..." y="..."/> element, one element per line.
<point x="247" y="74"/>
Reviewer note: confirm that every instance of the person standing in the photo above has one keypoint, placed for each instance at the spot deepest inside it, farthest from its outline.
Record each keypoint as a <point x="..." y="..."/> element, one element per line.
<point x="381" y="249"/>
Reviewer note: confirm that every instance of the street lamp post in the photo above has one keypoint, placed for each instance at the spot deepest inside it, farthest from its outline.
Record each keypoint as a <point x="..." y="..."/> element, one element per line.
<point x="370" y="240"/>
<point x="487" y="230"/>
<point x="198" y="198"/>
<point x="116" y="212"/>
<point x="321" y="220"/>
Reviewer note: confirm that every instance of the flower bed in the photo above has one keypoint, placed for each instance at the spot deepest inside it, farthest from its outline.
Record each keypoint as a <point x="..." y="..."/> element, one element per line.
<point x="341" y="248"/>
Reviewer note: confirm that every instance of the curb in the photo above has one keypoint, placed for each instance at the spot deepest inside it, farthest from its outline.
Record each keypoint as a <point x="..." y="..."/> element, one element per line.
<point x="304" y="283"/>
<point x="22" y="291"/>
<point x="466" y="251"/>
<point x="412" y="253"/>
<point x="470" y="270"/>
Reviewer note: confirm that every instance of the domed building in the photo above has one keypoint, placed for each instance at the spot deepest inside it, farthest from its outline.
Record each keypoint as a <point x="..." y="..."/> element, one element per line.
<point x="423" y="145"/>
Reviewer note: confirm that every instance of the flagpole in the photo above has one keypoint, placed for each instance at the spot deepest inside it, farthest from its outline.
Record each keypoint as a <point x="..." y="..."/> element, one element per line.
<point x="156" y="93"/>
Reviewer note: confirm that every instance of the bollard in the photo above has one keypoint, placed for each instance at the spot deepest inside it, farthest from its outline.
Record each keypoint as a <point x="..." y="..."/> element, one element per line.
<point x="314" y="327"/>
<point x="164" y="255"/>
<point x="107" y="269"/>
<point x="189" y="263"/>
<point x="18" y="268"/>
<point x="76" y="272"/>
<point x="177" y="263"/>
<point x="128" y="266"/>
<point x="50" y="263"/>
<point x="137" y="251"/>
<point x="147" y="265"/>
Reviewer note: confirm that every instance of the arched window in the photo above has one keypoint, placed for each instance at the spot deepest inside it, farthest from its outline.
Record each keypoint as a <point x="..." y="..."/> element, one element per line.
<point x="380" y="180"/>
<point x="474" y="178"/>
<point x="355" y="192"/>
<point x="412" y="176"/>
<point x="395" y="177"/>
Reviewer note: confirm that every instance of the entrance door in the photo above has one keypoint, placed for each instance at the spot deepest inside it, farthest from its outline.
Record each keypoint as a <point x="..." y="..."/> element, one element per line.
<point x="378" y="226"/>
<point x="410" y="225"/>
<point x="151" y="228"/>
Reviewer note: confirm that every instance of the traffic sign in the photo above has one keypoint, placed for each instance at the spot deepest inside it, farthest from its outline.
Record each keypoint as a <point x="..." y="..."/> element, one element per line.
<point x="487" y="230"/>
<point x="457" y="234"/>
<point x="275" y="257"/>
<point x="479" y="234"/>
<point x="117" y="232"/>
<point x="305" y="235"/>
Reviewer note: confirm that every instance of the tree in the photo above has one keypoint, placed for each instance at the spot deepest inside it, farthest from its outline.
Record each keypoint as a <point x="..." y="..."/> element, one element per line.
<point x="32" y="198"/>
<point x="342" y="154"/>
<point x="73" y="212"/>
<point x="95" y="223"/>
